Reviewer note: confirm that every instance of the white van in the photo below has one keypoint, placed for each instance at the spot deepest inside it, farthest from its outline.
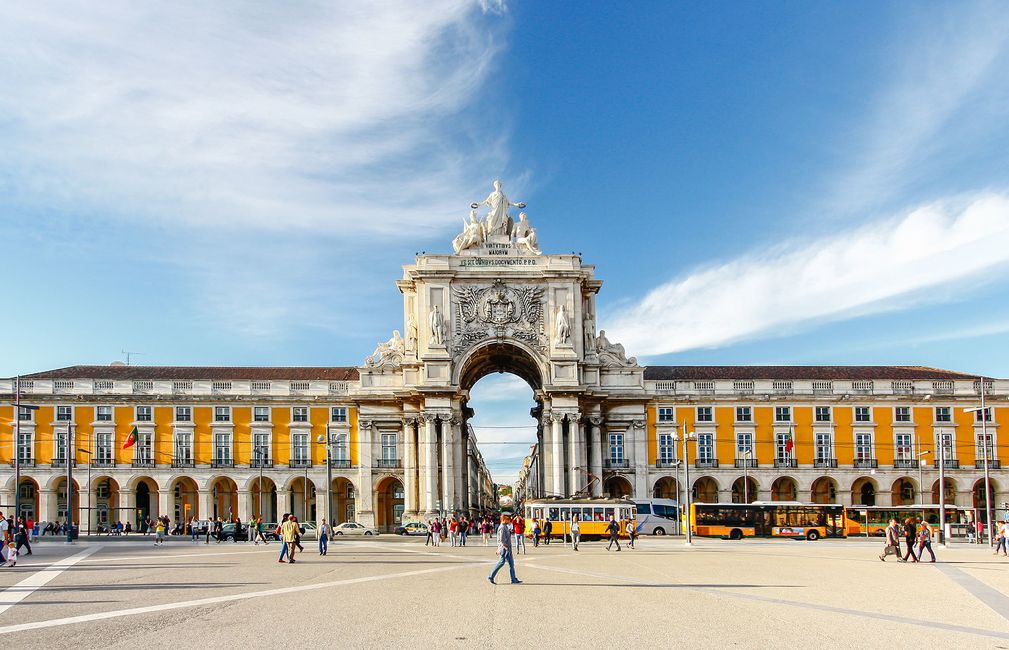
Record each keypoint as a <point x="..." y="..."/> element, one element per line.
<point x="658" y="516"/>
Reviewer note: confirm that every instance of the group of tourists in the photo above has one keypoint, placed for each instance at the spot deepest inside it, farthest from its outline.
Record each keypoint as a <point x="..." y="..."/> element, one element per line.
<point x="457" y="530"/>
<point x="15" y="533"/>
<point x="915" y="532"/>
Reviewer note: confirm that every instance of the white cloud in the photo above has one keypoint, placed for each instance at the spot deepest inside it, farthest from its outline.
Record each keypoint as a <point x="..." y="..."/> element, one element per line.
<point x="852" y="273"/>
<point x="336" y="117"/>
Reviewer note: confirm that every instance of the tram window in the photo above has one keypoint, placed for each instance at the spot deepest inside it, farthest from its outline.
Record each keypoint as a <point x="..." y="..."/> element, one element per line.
<point x="553" y="514"/>
<point x="586" y="514"/>
<point x="645" y="509"/>
<point x="607" y="513"/>
<point x="598" y="516"/>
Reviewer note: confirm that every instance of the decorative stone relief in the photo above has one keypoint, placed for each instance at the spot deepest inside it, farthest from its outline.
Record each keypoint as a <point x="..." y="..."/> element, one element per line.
<point x="388" y="354"/>
<point x="612" y="354"/>
<point x="498" y="310"/>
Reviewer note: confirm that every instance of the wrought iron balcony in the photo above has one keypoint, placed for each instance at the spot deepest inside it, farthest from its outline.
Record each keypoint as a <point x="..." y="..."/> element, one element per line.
<point x="103" y="462"/>
<point x="615" y="463"/>
<point x="866" y="463"/>
<point x="952" y="463"/>
<point x="339" y="463"/>
<point x="666" y="464"/>
<point x="300" y="463"/>
<point x="257" y="463"/>
<point x="143" y="462"/>
<point x="24" y="462"/>
<point x="62" y="462"/>
<point x="188" y="462"/>
<point x="388" y="463"/>
<point x="904" y="463"/>
<point x="825" y="463"/>
<point x="222" y="462"/>
<point x="785" y="462"/>
<point x="706" y="463"/>
<point x="992" y="464"/>
<point x="750" y="463"/>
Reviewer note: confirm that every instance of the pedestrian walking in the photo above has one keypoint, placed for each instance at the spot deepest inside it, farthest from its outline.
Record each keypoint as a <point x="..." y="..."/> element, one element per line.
<point x="192" y="529"/>
<point x="453" y="529"/>
<point x="892" y="542"/>
<point x="632" y="533"/>
<point x="576" y="532"/>
<point x="519" y="528"/>
<point x="218" y="529"/>
<point x="537" y="531"/>
<point x="279" y="534"/>
<point x="548" y="528"/>
<point x="12" y="556"/>
<point x="1000" y="533"/>
<point x="297" y="534"/>
<point x="613" y="528"/>
<point x="260" y="537"/>
<point x="22" y="537"/>
<point x="289" y="533"/>
<point x="485" y="531"/>
<point x="159" y="533"/>
<point x="33" y="529"/>
<point x="238" y="530"/>
<point x="925" y="539"/>
<point x="324" y="532"/>
<point x="463" y="531"/>
<point x="910" y="534"/>
<point x="504" y="550"/>
<point x="429" y="538"/>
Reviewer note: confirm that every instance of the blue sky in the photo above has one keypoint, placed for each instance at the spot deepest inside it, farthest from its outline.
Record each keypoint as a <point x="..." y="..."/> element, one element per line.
<point x="757" y="182"/>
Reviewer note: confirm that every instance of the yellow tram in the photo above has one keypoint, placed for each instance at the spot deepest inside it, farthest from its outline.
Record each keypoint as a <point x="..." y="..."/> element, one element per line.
<point x="593" y="515"/>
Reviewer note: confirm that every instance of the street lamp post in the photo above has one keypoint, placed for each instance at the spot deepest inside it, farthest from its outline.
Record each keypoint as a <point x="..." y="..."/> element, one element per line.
<point x="746" y="475"/>
<point x="942" y="489"/>
<point x="921" y="497"/>
<point x="70" y="488"/>
<point x="259" y="451"/>
<point x="85" y="451"/>
<point x="329" y="474"/>
<point x="686" y="480"/>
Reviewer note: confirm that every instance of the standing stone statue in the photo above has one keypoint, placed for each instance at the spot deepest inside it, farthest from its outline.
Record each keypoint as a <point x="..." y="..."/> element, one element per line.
<point x="411" y="333"/>
<point x="437" y="326"/>
<point x="589" y="329"/>
<point x="562" y="328"/>
<point x="498" y="222"/>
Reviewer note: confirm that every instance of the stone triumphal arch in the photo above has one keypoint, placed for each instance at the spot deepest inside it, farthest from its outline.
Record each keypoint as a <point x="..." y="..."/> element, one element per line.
<point x="498" y="304"/>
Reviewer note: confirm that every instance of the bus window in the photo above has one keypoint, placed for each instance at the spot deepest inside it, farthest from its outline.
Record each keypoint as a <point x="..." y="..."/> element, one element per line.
<point x="666" y="512"/>
<point x="644" y="509"/>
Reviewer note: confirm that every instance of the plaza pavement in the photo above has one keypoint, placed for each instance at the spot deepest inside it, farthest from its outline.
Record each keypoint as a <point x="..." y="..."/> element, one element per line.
<point x="395" y="592"/>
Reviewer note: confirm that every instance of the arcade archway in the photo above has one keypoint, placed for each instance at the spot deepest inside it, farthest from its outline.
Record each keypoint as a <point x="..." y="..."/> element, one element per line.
<point x="666" y="488"/>
<point x="705" y="490"/>
<point x="617" y="487"/>
<point x="388" y="504"/>
<point x="823" y="490"/>
<point x="784" y="488"/>
<point x="863" y="492"/>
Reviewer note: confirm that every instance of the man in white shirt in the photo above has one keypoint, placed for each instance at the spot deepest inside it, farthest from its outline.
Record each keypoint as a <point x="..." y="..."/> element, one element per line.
<point x="4" y="535"/>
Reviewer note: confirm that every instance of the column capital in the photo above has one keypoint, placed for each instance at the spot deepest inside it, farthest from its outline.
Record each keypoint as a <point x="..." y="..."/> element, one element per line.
<point x="596" y="421"/>
<point x="364" y="424"/>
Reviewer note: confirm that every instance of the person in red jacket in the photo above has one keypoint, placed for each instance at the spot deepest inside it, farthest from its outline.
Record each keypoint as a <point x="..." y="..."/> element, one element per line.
<point x="519" y="528"/>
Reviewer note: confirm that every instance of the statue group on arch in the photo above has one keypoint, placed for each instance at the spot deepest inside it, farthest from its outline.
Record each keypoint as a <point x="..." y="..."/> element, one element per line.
<point x="498" y="224"/>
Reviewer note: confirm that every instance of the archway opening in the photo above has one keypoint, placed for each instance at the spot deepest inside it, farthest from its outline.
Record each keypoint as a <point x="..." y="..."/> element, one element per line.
<point x="823" y="490"/>
<point x="979" y="500"/>
<point x="224" y="498"/>
<point x="184" y="500"/>
<point x="302" y="501"/>
<point x="784" y="489"/>
<point x="617" y="487"/>
<point x="146" y="501"/>
<point x="903" y="492"/>
<point x="666" y="488"/>
<point x="744" y="490"/>
<point x="264" y="499"/>
<point x="344" y="500"/>
<point x="863" y="492"/>
<point x="500" y="414"/>
<point x="705" y="490"/>
<point x="389" y="504"/>
<point x="28" y="497"/>
<point x="104" y="503"/>
<point x="950" y="491"/>
<point x="60" y="488"/>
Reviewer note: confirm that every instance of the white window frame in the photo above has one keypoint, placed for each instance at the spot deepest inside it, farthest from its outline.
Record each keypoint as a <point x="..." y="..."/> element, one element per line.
<point x="949" y="453"/>
<point x="748" y="446"/>
<point x="258" y="436"/>
<point x="744" y="411"/>
<point x="69" y="416"/>
<point x="150" y="413"/>
<point x="300" y="411"/>
<point x="897" y="415"/>
<point x="188" y="456"/>
<point x="667" y="448"/>
<point x="706" y="446"/>
<point x="979" y="446"/>
<point x="871" y="445"/>
<point x="947" y="412"/>
<point x="26" y="414"/>
<point x="102" y="416"/>
<point x="386" y="456"/>
<point x="902" y="451"/>
<point x="59" y="443"/>
<point x="256" y="413"/>
<point x="780" y="442"/>
<point x="709" y="412"/>
<point x="218" y="413"/>
<point x="816" y="414"/>
<point x="189" y="414"/>
<point x="820" y="446"/>
<point x="666" y="414"/>
<point x="301" y="447"/>
<point x="338" y="414"/>
<point x="105" y="453"/>
<point x="788" y="412"/>
<point x="145" y="441"/>
<point x="216" y="436"/>
<point x="28" y="434"/>
<point x="855" y="413"/>
<point x="988" y="415"/>
<point x="616" y="448"/>
<point x="341" y="447"/>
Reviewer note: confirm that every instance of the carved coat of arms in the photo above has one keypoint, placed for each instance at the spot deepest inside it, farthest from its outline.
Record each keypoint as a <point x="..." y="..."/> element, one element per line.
<point x="497" y="310"/>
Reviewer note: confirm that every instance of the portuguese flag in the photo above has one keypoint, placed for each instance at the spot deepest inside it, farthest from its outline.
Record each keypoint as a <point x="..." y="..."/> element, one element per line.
<point x="131" y="439"/>
<point x="791" y="441"/>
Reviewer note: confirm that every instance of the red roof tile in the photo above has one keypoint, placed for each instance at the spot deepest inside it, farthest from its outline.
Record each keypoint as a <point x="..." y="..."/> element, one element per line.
<point x="708" y="373"/>
<point x="197" y="372"/>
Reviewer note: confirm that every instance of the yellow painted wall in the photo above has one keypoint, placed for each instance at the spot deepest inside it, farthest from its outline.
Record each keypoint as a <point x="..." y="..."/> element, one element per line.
<point x="883" y="417"/>
<point x="282" y="434"/>
<point x="687" y="415"/>
<point x="805" y="444"/>
<point x="1000" y="417"/>
<point x="763" y="435"/>
<point x="725" y="434"/>
<point x="44" y="434"/>
<point x="923" y="416"/>
<point x="355" y="437"/>
<point x="241" y="439"/>
<point x="123" y="417"/>
<point x="203" y="443"/>
<point x="319" y="417"/>
<point x="163" y="449"/>
<point x="651" y="418"/>
<point x="83" y="417"/>
<point x="6" y="434"/>
<point x="844" y="440"/>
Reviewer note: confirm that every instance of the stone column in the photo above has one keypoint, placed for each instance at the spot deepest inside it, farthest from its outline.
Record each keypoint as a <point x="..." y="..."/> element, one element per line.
<point x="449" y="431"/>
<point x="365" y="497"/>
<point x="244" y="505"/>
<point x="164" y="502"/>
<point x="429" y="469"/>
<point x="557" y="454"/>
<point x="596" y="448"/>
<point x="458" y="463"/>
<point x="283" y="502"/>
<point x="411" y="503"/>
<point x="206" y="501"/>
<point x="576" y="454"/>
<point x="47" y="505"/>
<point x="127" y="506"/>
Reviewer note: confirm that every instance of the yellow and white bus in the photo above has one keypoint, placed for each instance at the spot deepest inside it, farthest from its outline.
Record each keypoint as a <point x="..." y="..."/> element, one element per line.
<point x="593" y="514"/>
<point x="789" y="519"/>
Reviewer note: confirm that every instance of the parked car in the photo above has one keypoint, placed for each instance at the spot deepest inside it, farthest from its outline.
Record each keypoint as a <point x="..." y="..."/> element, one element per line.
<point x="308" y="530"/>
<point x="412" y="528"/>
<point x="353" y="528"/>
<point x="229" y="532"/>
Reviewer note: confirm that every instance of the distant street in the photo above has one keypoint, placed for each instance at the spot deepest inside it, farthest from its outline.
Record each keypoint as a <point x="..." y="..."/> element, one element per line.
<point x="397" y="592"/>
